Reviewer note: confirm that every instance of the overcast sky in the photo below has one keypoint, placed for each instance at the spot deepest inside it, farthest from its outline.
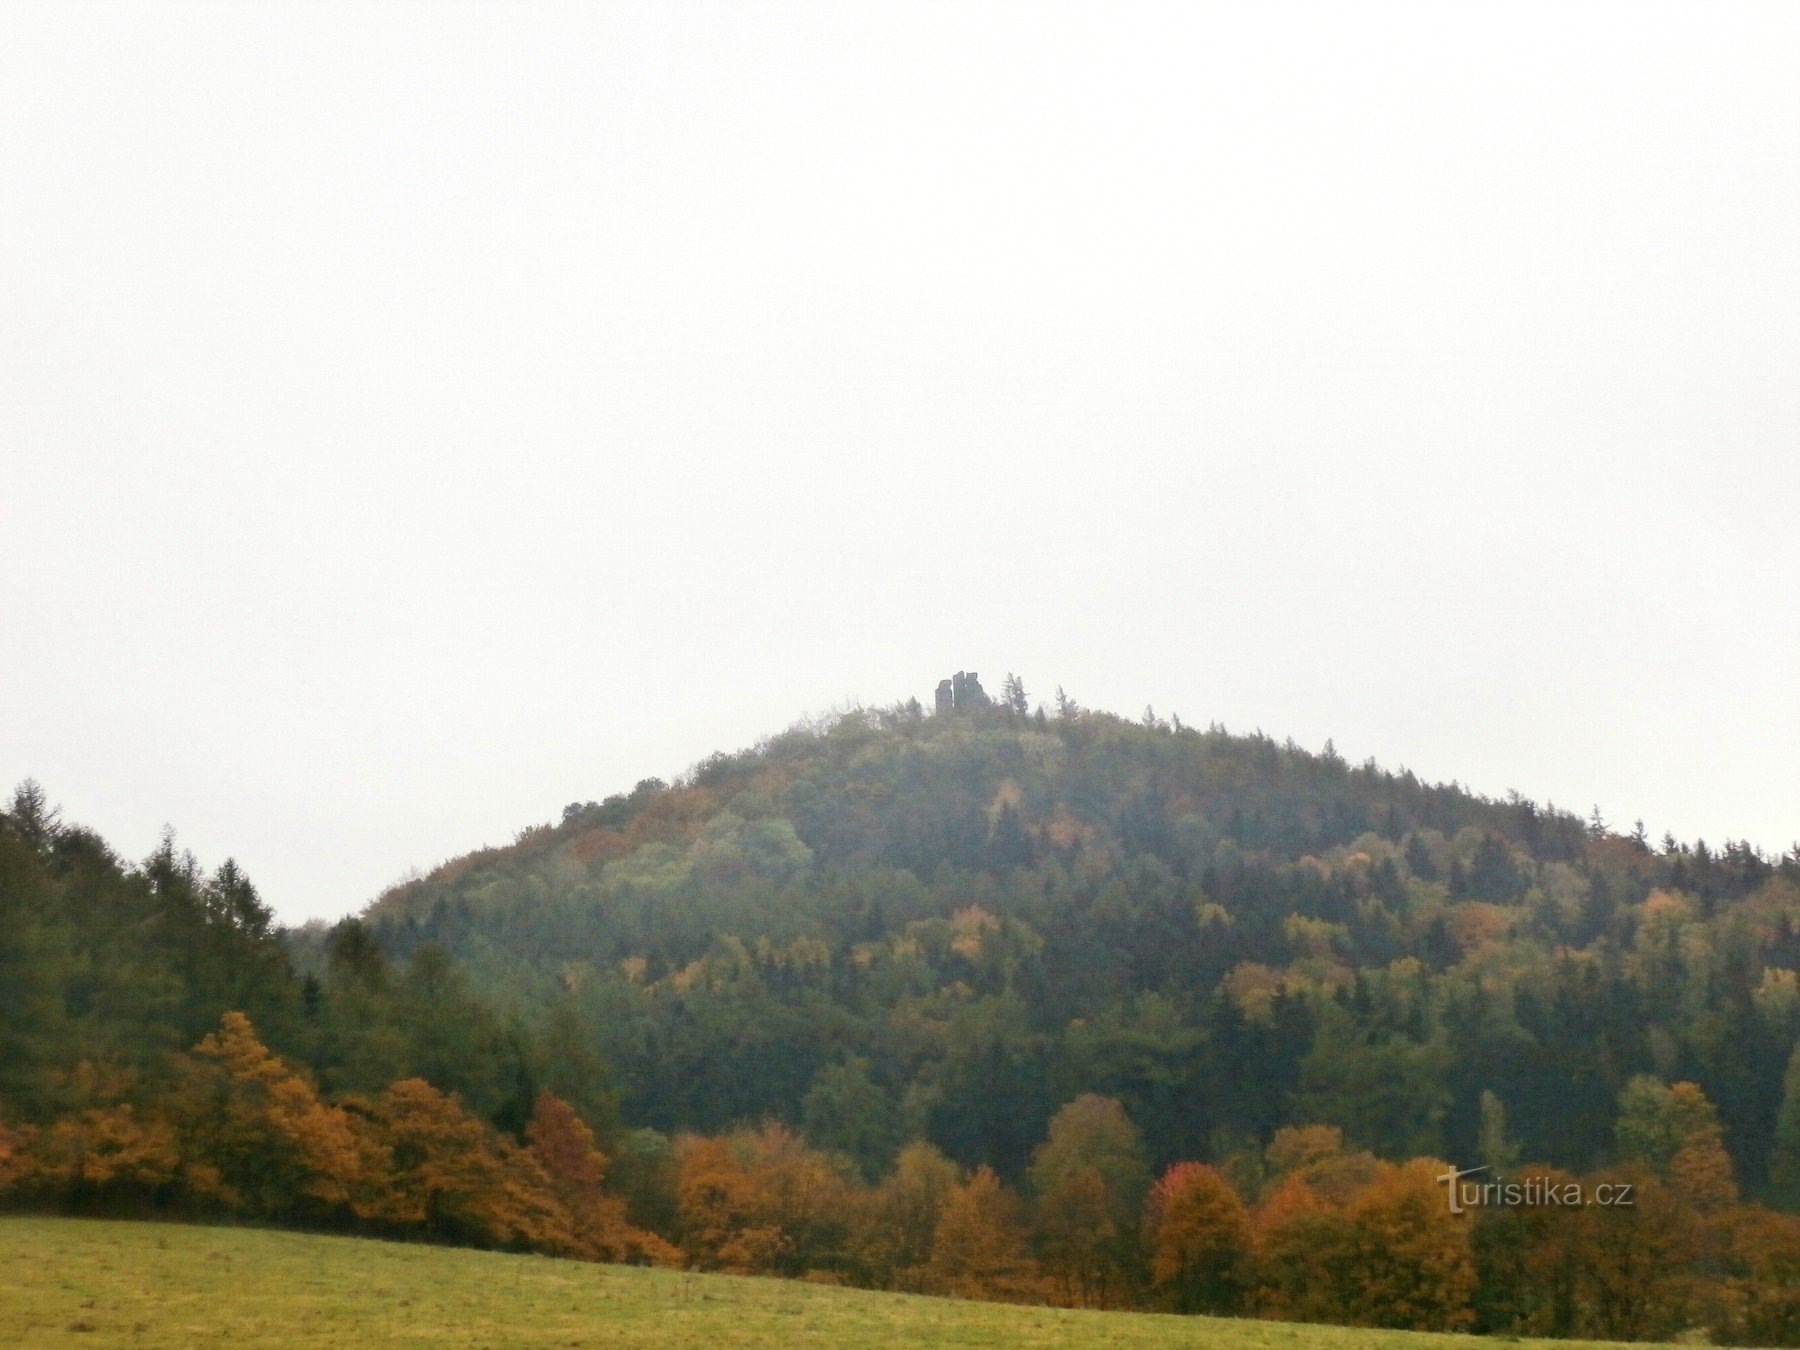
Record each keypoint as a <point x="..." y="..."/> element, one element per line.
<point x="416" y="417"/>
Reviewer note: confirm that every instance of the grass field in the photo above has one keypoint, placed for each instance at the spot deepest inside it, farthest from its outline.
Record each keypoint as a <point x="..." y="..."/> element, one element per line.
<point x="88" y="1282"/>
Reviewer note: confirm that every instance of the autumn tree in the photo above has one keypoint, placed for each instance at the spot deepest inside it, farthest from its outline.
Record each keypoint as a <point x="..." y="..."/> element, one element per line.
<point x="101" y="1157"/>
<point x="1413" y="1267"/>
<point x="269" y="1144"/>
<point x="1761" y="1262"/>
<point x="723" y="1220"/>
<point x="1316" y="1154"/>
<point x="979" y="1248"/>
<point x="1634" y="1261"/>
<point x="1675" y="1132"/>
<point x="1303" y="1254"/>
<point x="1197" y="1234"/>
<point x="1090" y="1178"/>
<point x="563" y="1146"/>
<point x="12" y="1156"/>
<point x="899" y="1218"/>
<point x="452" y="1175"/>
<point x="805" y="1195"/>
<point x="1527" y="1261"/>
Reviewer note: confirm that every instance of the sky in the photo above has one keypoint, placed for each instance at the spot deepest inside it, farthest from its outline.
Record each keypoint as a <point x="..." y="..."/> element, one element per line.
<point x="416" y="417"/>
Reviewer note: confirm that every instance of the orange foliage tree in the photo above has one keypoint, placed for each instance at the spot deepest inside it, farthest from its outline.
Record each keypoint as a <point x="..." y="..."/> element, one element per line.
<point x="259" y="1134"/>
<point x="1762" y="1278"/>
<point x="12" y="1155"/>
<point x="1198" y="1236"/>
<point x="1413" y="1266"/>
<point x="1302" y="1252"/>
<point x="722" y="1218"/>
<point x="101" y="1155"/>
<point x="451" y="1175"/>
<point x="563" y="1147"/>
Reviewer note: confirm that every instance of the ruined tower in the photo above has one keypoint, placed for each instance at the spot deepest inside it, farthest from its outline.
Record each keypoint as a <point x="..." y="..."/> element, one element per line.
<point x="962" y="690"/>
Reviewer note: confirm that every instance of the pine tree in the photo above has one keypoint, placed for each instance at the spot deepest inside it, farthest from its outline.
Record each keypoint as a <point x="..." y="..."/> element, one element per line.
<point x="1784" y="1161"/>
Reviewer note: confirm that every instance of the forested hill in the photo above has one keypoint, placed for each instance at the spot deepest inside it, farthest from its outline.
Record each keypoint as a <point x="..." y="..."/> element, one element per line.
<point x="897" y="924"/>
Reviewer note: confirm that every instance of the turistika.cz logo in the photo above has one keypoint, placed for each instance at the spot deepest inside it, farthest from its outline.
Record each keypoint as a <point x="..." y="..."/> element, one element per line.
<point x="1528" y="1192"/>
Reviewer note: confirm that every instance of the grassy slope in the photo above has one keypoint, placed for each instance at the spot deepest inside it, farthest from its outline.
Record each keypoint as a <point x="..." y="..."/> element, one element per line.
<point x="91" y="1282"/>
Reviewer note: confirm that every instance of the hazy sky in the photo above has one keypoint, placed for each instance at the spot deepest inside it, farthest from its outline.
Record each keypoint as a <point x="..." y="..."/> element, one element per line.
<point x="414" y="417"/>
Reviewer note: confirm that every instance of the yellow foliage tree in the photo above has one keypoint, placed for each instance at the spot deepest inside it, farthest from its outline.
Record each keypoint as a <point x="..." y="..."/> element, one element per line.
<point x="258" y="1131"/>
<point x="979" y="1248"/>
<point x="723" y="1221"/>
<point x="896" y="1222"/>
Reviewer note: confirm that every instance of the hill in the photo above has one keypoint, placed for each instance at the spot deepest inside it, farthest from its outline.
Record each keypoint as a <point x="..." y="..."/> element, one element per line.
<point x="175" y="1285"/>
<point x="1061" y="1009"/>
<point x="890" y="923"/>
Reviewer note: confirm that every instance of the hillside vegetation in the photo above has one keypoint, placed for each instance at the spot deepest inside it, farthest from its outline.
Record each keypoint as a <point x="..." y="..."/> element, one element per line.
<point x="170" y="1285"/>
<point x="1024" y="1005"/>
<point x="956" y="924"/>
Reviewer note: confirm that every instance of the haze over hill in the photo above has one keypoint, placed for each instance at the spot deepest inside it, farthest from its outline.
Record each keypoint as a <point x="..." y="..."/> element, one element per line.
<point x="410" y="427"/>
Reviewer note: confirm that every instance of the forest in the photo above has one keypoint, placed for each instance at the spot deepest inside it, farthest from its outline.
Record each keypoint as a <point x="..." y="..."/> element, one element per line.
<point x="1043" y="1005"/>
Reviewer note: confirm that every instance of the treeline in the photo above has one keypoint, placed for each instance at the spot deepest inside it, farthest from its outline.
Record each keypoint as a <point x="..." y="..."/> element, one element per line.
<point x="1307" y="1229"/>
<point x="122" y="968"/>
<point x="233" y="1130"/>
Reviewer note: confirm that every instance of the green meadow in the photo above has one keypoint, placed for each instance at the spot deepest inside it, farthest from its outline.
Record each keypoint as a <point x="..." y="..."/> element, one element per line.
<point x="91" y="1282"/>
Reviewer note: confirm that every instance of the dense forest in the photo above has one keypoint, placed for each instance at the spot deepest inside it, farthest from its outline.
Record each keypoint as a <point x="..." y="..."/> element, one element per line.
<point x="956" y="923"/>
<point x="1036" y="1004"/>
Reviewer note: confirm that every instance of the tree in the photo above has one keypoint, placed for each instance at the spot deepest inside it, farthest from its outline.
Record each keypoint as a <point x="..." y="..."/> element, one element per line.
<point x="1784" y="1161"/>
<point x="12" y="1156"/>
<point x="1496" y="1149"/>
<point x="1090" y="1178"/>
<point x="261" y="1131"/>
<point x="1012" y="694"/>
<point x="453" y="1176"/>
<point x="722" y="1224"/>
<point x="847" y="1112"/>
<point x="1634" y="1280"/>
<point x="900" y="1218"/>
<point x="979" y="1248"/>
<point x="1413" y="1267"/>
<point x="1762" y="1284"/>
<point x="1675" y="1133"/>
<point x="1303" y="1252"/>
<point x="1387" y="1092"/>
<point x="803" y="1194"/>
<point x="100" y="1157"/>
<point x="563" y="1147"/>
<point x="1527" y="1262"/>
<point x="1198" y="1237"/>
